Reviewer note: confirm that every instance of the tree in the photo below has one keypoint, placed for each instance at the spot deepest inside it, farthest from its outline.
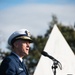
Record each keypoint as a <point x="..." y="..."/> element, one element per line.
<point x="51" y="25"/>
<point x="67" y="31"/>
<point x="69" y="34"/>
<point x="40" y="41"/>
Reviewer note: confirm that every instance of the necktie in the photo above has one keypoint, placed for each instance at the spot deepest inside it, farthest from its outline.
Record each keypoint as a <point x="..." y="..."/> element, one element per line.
<point x="24" y="67"/>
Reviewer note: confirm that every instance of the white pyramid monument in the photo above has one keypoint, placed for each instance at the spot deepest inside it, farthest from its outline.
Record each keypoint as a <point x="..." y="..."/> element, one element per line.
<point x="57" y="47"/>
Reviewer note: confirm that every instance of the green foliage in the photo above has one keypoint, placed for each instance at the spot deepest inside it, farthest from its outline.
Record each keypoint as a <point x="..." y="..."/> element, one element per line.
<point x="40" y="42"/>
<point x="69" y="34"/>
<point x="35" y="52"/>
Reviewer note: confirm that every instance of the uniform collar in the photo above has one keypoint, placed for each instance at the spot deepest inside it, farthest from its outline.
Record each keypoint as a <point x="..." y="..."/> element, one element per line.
<point x="18" y="56"/>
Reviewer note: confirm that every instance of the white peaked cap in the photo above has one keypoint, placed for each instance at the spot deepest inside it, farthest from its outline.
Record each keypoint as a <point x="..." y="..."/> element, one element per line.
<point x="20" y="34"/>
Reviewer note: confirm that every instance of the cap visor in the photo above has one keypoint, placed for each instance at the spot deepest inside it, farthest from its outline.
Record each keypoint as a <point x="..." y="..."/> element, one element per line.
<point x="25" y="38"/>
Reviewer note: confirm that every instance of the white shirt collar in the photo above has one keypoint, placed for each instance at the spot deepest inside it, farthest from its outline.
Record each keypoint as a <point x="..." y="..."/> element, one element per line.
<point x="18" y="56"/>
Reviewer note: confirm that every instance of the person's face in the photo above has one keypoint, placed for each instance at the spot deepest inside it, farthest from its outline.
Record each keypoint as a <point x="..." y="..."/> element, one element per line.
<point x="22" y="46"/>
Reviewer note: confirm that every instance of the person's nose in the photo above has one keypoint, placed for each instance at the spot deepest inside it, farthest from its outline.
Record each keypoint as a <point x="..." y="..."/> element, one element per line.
<point x="28" y="44"/>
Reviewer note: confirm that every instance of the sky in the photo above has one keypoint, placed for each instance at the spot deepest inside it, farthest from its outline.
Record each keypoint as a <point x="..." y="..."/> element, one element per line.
<point x="34" y="15"/>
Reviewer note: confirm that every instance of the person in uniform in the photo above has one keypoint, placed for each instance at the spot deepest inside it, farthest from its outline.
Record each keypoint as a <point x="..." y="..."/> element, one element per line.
<point x="13" y="64"/>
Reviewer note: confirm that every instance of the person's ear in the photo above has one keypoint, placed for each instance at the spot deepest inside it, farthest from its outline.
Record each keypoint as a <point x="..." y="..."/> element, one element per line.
<point x="15" y="44"/>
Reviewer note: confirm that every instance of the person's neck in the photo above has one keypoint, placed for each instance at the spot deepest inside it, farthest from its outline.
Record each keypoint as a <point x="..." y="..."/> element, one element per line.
<point x="18" y="56"/>
<point x="21" y="56"/>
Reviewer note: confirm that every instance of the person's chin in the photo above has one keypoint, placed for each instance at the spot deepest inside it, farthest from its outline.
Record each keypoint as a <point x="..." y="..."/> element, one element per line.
<point x="26" y="54"/>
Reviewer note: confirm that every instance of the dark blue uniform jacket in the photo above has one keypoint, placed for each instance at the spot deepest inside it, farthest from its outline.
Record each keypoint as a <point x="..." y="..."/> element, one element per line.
<point x="11" y="65"/>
